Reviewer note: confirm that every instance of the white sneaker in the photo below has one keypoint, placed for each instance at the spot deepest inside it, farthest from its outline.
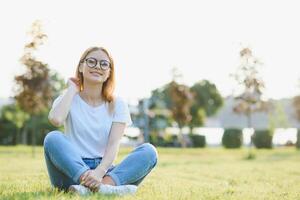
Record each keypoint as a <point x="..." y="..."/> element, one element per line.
<point x="79" y="189"/>
<point x="118" y="190"/>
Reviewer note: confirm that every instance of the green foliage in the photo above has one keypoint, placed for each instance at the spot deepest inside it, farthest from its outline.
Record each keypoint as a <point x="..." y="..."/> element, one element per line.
<point x="14" y="122"/>
<point x="160" y="98"/>
<point x="8" y="131"/>
<point x="207" y="97"/>
<point x="198" y="140"/>
<point x="168" y="140"/>
<point x="159" y="109"/>
<point x="262" y="139"/>
<point x="14" y="114"/>
<point x="155" y="139"/>
<point x="171" y="140"/>
<point x="40" y="126"/>
<point x="12" y="119"/>
<point x="232" y="138"/>
<point x="198" y="116"/>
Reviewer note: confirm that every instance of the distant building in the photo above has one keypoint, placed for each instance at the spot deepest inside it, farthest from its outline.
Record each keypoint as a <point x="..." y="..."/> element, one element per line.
<point x="226" y="118"/>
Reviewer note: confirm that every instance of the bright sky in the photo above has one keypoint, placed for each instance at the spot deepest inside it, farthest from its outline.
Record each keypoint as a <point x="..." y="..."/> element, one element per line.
<point x="148" y="38"/>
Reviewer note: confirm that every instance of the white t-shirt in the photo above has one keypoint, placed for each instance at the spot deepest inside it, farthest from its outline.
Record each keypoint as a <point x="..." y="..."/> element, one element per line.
<point x="88" y="127"/>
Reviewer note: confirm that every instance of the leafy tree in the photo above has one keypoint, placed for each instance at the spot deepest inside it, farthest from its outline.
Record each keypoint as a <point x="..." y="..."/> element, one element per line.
<point x="171" y="103"/>
<point x="168" y="104"/>
<point x="296" y="104"/>
<point x="250" y="99"/>
<point x="34" y="91"/>
<point x="181" y="102"/>
<point x="207" y="101"/>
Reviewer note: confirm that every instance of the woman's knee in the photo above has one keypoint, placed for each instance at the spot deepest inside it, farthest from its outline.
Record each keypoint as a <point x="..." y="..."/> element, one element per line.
<point x="150" y="152"/>
<point x="52" y="137"/>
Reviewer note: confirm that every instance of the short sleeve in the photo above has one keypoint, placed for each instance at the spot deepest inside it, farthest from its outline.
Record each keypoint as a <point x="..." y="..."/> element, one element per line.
<point x="121" y="112"/>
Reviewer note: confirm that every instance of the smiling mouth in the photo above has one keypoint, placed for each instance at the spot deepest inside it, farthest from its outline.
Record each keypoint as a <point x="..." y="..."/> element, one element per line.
<point x="96" y="73"/>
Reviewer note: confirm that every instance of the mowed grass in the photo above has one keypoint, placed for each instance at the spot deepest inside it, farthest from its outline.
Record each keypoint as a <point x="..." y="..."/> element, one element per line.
<point x="210" y="173"/>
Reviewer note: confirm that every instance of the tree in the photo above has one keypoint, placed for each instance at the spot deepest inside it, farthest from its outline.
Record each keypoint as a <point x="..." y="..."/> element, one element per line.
<point x="207" y="101"/>
<point x="250" y="99"/>
<point x="34" y="91"/>
<point x="296" y="104"/>
<point x="181" y="102"/>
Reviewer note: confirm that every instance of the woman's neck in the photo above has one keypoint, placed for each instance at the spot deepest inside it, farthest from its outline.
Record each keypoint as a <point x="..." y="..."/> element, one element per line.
<point x="92" y="93"/>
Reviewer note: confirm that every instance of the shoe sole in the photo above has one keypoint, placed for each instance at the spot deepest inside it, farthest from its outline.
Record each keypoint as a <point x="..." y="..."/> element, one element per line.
<point x="72" y="189"/>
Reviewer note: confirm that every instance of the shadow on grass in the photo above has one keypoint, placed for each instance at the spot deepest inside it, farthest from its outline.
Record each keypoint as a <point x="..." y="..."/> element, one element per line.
<point x="274" y="156"/>
<point x="280" y="156"/>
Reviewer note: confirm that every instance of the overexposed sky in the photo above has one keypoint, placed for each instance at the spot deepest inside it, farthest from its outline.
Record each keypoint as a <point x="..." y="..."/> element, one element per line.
<point x="148" y="38"/>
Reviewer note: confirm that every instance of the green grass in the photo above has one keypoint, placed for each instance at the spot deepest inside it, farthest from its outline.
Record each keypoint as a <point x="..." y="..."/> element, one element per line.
<point x="210" y="173"/>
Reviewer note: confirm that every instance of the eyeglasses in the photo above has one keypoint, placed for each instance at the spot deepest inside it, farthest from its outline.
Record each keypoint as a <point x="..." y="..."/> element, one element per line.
<point x="92" y="63"/>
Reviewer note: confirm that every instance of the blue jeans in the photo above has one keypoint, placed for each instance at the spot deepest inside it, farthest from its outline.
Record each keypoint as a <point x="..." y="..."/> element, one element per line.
<point x="65" y="166"/>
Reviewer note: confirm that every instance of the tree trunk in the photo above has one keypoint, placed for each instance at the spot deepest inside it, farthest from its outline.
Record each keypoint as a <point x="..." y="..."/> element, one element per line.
<point x="249" y="120"/>
<point x="181" y="138"/>
<point x="24" y="135"/>
<point x="16" y="138"/>
<point x="249" y="124"/>
<point x="33" y="136"/>
<point x="191" y="129"/>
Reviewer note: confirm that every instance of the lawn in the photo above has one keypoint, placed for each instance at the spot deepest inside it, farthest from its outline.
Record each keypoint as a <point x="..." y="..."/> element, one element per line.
<point x="209" y="173"/>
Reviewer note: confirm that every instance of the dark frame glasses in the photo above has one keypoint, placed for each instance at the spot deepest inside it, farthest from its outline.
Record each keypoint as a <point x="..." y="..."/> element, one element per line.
<point x="93" y="62"/>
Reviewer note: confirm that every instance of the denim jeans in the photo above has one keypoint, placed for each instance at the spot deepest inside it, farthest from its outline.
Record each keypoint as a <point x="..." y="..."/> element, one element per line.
<point x="65" y="166"/>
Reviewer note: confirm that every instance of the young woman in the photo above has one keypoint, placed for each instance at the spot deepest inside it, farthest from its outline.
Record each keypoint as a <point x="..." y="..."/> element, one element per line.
<point x="81" y="159"/>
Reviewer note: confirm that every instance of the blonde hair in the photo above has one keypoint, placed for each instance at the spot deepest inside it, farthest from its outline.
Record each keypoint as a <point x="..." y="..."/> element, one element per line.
<point x="109" y="85"/>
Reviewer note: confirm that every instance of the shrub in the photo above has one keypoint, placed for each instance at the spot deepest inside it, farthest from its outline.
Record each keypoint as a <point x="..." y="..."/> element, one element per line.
<point x="262" y="139"/>
<point x="155" y="139"/>
<point x="232" y="138"/>
<point x="167" y="140"/>
<point x="171" y="140"/>
<point x="198" y="140"/>
<point x="8" y="132"/>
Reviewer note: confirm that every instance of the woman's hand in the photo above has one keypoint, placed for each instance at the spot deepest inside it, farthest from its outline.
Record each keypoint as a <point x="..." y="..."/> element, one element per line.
<point x="74" y="84"/>
<point x="91" y="179"/>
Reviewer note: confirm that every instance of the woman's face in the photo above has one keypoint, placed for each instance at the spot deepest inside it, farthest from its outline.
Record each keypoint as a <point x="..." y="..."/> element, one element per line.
<point x="96" y="67"/>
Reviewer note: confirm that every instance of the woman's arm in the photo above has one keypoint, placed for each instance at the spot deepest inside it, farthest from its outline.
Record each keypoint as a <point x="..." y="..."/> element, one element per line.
<point x="112" y="148"/>
<point x="60" y="110"/>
